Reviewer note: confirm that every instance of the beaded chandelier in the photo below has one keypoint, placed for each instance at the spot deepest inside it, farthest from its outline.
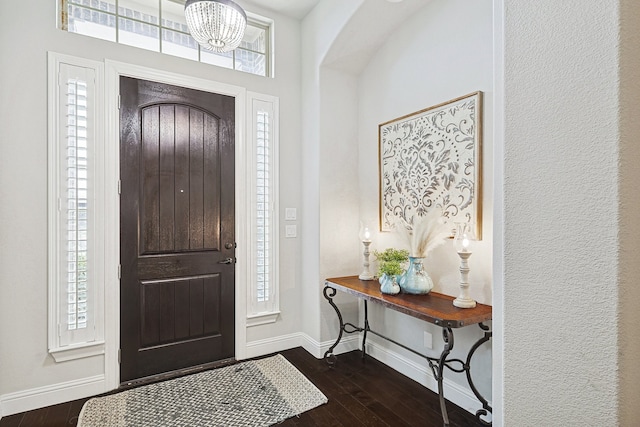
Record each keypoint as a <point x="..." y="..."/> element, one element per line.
<point x="217" y="25"/>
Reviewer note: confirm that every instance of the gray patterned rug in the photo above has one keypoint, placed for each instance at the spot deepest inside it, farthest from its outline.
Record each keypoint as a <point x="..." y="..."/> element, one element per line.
<point x="254" y="393"/>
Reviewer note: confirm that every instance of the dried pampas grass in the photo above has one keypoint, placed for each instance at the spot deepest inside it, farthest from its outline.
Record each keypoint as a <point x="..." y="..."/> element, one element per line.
<point x="425" y="234"/>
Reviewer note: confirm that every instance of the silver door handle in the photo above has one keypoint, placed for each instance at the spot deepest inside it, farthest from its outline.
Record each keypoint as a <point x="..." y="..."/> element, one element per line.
<point x="226" y="261"/>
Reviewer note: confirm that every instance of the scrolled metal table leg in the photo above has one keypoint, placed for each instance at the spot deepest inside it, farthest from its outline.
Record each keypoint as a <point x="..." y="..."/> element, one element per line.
<point x="365" y="329"/>
<point x="447" y="336"/>
<point x="456" y="365"/>
<point x="329" y="293"/>
<point x="485" y="405"/>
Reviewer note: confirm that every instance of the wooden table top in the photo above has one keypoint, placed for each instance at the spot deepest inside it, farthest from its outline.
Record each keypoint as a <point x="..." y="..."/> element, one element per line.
<point x="433" y="307"/>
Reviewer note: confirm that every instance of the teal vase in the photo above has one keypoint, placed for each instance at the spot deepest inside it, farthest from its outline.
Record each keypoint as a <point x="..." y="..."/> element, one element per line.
<point x="416" y="280"/>
<point x="389" y="284"/>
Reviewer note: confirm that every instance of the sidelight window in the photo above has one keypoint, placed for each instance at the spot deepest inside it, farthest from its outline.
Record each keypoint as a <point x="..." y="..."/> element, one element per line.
<point x="263" y="233"/>
<point x="76" y="208"/>
<point x="263" y="304"/>
<point x="75" y="221"/>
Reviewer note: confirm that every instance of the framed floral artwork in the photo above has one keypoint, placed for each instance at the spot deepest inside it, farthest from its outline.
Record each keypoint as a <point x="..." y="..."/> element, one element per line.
<point x="431" y="159"/>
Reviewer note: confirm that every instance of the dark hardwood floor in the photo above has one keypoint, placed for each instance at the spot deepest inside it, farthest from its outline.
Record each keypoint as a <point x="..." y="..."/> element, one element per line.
<point x="360" y="393"/>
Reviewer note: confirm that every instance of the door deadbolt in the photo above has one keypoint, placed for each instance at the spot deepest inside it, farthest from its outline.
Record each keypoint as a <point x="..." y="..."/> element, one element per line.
<point x="229" y="245"/>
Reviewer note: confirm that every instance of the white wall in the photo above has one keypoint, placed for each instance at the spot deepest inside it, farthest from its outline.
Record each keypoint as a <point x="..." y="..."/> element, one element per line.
<point x="426" y="62"/>
<point x="319" y="30"/>
<point x="571" y="227"/>
<point x="444" y="51"/>
<point x="338" y="40"/>
<point x="358" y="71"/>
<point x="25" y="366"/>
<point x="340" y="249"/>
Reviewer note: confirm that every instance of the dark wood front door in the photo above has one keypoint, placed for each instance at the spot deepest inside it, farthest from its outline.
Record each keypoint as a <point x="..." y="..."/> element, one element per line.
<point x="176" y="228"/>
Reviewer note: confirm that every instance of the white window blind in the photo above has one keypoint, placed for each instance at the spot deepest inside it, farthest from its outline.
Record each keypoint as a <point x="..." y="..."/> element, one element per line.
<point x="263" y="304"/>
<point x="263" y="206"/>
<point x="77" y="204"/>
<point x="76" y="257"/>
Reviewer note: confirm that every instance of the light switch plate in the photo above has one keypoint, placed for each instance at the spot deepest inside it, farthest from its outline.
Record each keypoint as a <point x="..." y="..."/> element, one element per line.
<point x="290" y="214"/>
<point x="290" y="230"/>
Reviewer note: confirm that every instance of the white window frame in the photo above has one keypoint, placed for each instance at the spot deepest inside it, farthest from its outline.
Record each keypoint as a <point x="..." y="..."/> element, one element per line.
<point x="64" y="344"/>
<point x="253" y="20"/>
<point x="259" y="313"/>
<point x="113" y="71"/>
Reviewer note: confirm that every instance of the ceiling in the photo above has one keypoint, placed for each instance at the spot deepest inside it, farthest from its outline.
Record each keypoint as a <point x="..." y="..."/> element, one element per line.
<point x="365" y="32"/>
<point x="293" y="8"/>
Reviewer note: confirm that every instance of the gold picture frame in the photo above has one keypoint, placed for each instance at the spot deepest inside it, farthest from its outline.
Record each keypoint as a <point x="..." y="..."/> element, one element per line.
<point x="432" y="159"/>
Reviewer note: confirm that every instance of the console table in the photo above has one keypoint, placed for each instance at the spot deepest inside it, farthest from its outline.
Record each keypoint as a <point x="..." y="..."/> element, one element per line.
<point x="434" y="308"/>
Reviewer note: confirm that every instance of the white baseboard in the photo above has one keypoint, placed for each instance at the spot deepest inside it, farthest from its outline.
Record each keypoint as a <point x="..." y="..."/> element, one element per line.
<point x="285" y="342"/>
<point x="317" y="349"/>
<point x="27" y="400"/>
<point x="272" y="345"/>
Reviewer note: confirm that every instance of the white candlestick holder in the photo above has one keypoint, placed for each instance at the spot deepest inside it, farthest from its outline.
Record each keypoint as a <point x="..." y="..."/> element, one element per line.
<point x="463" y="300"/>
<point x="366" y="274"/>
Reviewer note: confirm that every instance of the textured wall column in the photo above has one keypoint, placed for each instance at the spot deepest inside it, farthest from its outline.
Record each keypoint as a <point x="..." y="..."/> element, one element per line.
<point x="561" y="213"/>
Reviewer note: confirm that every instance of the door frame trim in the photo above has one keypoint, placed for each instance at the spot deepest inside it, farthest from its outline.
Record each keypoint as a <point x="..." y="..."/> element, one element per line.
<point x="113" y="71"/>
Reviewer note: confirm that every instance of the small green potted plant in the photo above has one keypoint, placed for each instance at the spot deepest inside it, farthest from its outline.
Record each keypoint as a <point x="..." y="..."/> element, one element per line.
<point x="390" y="268"/>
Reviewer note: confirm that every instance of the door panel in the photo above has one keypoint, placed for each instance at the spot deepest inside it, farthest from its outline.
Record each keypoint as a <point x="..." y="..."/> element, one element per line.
<point x="176" y="215"/>
<point x="180" y="173"/>
<point x="179" y="309"/>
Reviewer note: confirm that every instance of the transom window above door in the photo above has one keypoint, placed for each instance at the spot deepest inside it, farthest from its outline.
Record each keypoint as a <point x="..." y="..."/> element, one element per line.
<point x="160" y="26"/>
